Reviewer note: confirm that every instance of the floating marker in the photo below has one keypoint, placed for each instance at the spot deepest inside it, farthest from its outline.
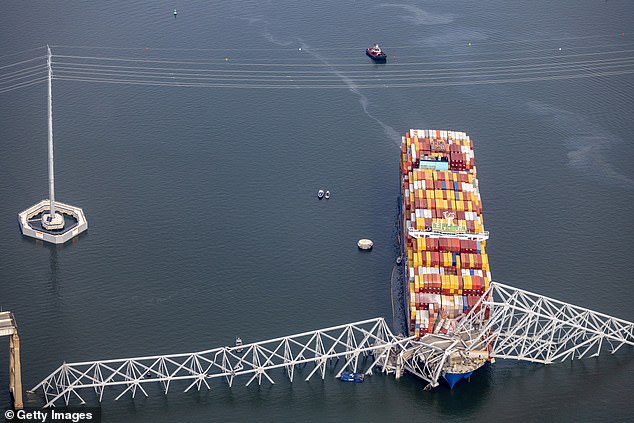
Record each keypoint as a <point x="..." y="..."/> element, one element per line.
<point x="300" y="49"/>
<point x="559" y="48"/>
<point x="469" y="44"/>
<point x="226" y="59"/>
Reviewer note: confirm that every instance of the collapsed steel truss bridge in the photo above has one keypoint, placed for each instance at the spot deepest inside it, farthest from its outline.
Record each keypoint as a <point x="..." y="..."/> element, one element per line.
<point x="507" y="323"/>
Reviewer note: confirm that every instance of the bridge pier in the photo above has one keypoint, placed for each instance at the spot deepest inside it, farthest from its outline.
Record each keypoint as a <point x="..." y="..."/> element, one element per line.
<point x="8" y="327"/>
<point x="15" y="371"/>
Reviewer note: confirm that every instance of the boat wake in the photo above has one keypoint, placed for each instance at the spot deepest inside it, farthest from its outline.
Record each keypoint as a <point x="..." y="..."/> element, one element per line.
<point x="363" y="100"/>
<point x="391" y="133"/>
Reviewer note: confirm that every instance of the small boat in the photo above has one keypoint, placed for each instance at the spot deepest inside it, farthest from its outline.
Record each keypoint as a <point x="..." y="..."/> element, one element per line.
<point x="239" y="344"/>
<point x="327" y="195"/>
<point x="320" y="193"/>
<point x="399" y="260"/>
<point x="352" y="377"/>
<point x="375" y="53"/>
<point x="175" y="13"/>
<point x="365" y="244"/>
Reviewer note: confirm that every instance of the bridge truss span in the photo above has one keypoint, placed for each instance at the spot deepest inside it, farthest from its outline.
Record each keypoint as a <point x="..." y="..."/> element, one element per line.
<point x="506" y="323"/>
<point x="526" y="326"/>
<point x="347" y="344"/>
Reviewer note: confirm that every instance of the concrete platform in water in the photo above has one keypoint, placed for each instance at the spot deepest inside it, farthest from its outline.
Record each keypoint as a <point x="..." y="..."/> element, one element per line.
<point x="32" y="222"/>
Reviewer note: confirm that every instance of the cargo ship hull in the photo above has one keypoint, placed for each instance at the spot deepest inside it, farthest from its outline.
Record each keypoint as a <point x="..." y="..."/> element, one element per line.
<point x="443" y="241"/>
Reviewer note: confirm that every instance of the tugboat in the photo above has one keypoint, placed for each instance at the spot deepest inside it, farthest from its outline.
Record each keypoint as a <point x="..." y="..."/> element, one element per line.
<point x="320" y="194"/>
<point x="375" y="53"/>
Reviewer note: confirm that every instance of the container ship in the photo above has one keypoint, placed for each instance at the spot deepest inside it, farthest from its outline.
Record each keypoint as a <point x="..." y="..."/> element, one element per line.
<point x="443" y="241"/>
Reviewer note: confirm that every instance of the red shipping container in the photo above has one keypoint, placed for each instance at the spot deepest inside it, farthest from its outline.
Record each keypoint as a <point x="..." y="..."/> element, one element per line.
<point x="443" y="244"/>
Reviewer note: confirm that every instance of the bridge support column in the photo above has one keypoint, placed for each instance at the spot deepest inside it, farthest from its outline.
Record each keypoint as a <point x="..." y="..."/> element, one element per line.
<point x="9" y="328"/>
<point x="15" y="371"/>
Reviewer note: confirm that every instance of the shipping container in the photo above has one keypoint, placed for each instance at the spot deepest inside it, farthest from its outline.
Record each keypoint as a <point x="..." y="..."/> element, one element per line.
<point x="444" y="274"/>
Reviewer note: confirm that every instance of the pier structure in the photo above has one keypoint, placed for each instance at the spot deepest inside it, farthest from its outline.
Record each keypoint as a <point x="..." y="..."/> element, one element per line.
<point x="8" y="327"/>
<point x="47" y="220"/>
<point x="507" y="323"/>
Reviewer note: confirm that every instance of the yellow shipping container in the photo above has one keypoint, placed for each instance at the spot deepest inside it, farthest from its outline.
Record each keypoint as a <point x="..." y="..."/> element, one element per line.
<point x="466" y="282"/>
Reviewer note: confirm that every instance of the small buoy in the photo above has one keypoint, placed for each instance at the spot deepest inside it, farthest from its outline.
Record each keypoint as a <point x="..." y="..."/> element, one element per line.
<point x="226" y="59"/>
<point x="622" y="34"/>
<point x="559" y="48"/>
<point x="469" y="44"/>
<point x="147" y="48"/>
<point x="300" y="49"/>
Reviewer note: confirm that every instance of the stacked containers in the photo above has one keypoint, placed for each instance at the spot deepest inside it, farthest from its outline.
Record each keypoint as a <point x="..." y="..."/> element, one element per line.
<point x="446" y="276"/>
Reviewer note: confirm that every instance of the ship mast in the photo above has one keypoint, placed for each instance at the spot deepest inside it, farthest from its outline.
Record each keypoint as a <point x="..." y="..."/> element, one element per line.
<point x="51" y="176"/>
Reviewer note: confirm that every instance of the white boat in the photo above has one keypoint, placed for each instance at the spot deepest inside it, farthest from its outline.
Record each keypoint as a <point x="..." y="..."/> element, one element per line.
<point x="239" y="344"/>
<point x="365" y="244"/>
<point x="320" y="193"/>
<point x="327" y="195"/>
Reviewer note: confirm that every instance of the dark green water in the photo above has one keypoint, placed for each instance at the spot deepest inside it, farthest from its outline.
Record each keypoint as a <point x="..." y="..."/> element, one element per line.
<point x="204" y="222"/>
